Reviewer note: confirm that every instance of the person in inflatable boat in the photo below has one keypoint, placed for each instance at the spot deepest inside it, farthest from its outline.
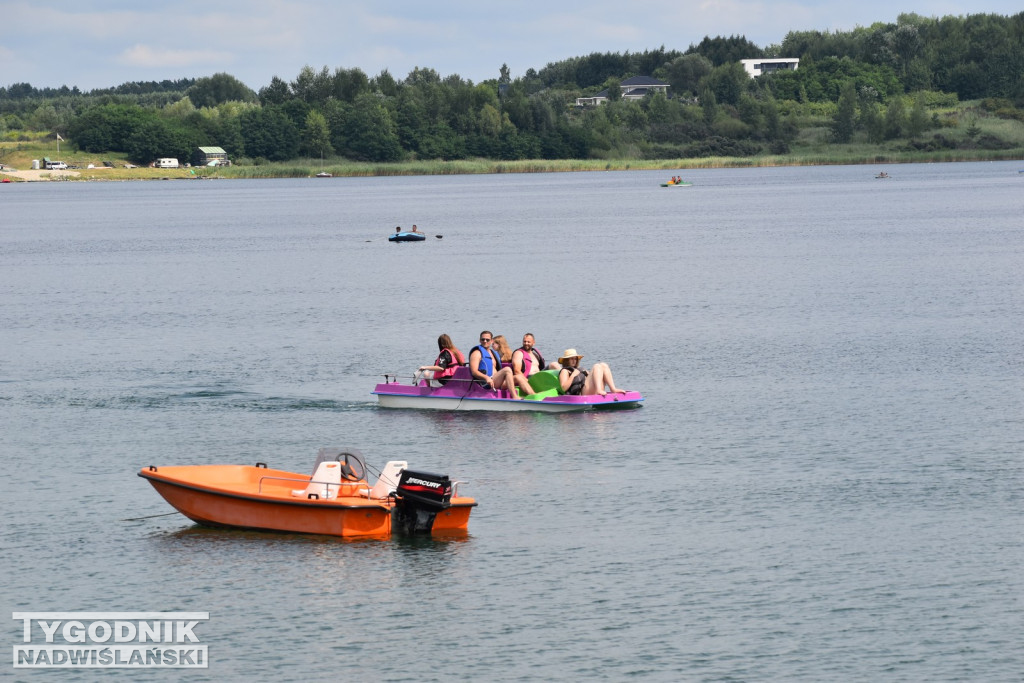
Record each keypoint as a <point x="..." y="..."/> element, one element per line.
<point x="576" y="381"/>
<point x="485" y="366"/>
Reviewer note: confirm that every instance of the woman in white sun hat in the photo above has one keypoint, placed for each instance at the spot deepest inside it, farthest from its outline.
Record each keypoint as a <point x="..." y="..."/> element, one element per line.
<point x="576" y="381"/>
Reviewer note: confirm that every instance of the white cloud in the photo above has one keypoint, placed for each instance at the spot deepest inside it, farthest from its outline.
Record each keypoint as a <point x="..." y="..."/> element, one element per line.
<point x="147" y="56"/>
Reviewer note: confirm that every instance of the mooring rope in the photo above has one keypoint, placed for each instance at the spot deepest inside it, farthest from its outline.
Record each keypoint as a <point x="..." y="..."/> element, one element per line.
<point x="135" y="519"/>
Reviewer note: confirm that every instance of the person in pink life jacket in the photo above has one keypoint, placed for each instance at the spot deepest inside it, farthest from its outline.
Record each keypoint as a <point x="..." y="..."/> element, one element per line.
<point x="448" y="359"/>
<point x="526" y="361"/>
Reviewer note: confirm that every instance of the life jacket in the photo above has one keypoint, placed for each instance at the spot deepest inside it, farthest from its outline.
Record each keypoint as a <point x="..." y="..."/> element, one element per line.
<point x="528" y="360"/>
<point x="489" y="361"/>
<point x="457" y="360"/>
<point x="576" y="387"/>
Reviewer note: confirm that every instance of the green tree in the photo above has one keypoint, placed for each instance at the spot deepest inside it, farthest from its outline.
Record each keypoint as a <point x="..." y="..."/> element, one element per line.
<point x="489" y="120"/>
<point x="182" y="109"/>
<point x="845" y="117"/>
<point x="337" y="113"/>
<point x="684" y="73"/>
<point x="227" y="134"/>
<point x="721" y="50"/>
<point x="350" y="83"/>
<point x="385" y="83"/>
<point x="660" y="110"/>
<point x="871" y="120"/>
<point x="270" y="134"/>
<point x="614" y="87"/>
<point x="411" y="117"/>
<point x="275" y="93"/>
<point x="709" y="103"/>
<point x="917" y="122"/>
<point x="728" y="82"/>
<point x="316" y="135"/>
<point x="218" y="88"/>
<point x="44" y="117"/>
<point x="108" y="127"/>
<point x="895" y="119"/>
<point x="370" y="131"/>
<point x="751" y="112"/>
<point x="160" y="138"/>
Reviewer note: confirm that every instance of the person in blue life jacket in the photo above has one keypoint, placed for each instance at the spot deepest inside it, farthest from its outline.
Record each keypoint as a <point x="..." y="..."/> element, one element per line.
<point x="485" y="366"/>
<point x="576" y="381"/>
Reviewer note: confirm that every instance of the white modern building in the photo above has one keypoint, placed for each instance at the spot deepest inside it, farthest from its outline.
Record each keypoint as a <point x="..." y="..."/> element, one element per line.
<point x="760" y="67"/>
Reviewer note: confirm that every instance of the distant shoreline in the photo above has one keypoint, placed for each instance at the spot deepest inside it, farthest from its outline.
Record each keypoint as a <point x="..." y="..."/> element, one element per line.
<point x="349" y="169"/>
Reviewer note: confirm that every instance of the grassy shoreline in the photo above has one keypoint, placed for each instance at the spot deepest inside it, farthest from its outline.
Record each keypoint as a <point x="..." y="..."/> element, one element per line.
<point x="351" y="169"/>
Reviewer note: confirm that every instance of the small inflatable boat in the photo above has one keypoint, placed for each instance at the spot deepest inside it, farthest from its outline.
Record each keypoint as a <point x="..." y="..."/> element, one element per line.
<point x="407" y="237"/>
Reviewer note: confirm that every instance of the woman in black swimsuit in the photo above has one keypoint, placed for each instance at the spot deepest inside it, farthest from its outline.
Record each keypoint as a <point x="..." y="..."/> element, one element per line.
<point x="576" y="381"/>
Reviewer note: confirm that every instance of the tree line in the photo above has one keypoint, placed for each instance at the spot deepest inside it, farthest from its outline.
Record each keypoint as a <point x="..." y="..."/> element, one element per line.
<point x="877" y="82"/>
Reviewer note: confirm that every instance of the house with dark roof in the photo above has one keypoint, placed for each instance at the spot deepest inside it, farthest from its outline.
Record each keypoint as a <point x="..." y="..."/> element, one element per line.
<point x="634" y="88"/>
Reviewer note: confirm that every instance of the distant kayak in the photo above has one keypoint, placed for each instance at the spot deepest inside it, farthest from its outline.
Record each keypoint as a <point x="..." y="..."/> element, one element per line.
<point x="407" y="237"/>
<point x="682" y="184"/>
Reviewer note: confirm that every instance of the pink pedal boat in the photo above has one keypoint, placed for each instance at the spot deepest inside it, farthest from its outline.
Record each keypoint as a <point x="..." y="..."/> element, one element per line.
<point x="461" y="392"/>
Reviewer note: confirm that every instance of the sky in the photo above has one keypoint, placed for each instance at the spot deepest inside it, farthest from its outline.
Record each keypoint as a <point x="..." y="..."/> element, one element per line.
<point x="100" y="44"/>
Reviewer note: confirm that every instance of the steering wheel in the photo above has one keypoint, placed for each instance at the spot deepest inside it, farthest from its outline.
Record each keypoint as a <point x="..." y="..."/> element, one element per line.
<point x="349" y="472"/>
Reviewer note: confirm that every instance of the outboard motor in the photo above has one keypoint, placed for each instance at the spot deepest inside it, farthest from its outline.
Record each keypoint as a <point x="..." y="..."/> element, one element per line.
<point x="418" y="498"/>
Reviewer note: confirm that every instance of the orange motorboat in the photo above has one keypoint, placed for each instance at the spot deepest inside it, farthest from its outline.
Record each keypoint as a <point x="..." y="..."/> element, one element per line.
<point x="336" y="500"/>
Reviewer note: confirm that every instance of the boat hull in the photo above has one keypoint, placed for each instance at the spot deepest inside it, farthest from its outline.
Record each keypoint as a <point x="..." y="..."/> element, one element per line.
<point x="247" y="497"/>
<point x="387" y="398"/>
<point x="407" y="237"/>
<point x="461" y="392"/>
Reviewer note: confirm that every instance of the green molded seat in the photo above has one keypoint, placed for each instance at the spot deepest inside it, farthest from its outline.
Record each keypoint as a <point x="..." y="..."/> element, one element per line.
<point x="546" y="380"/>
<point x="541" y="395"/>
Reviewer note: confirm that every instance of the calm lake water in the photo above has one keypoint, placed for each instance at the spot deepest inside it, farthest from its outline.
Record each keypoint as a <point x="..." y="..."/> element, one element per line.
<point x="825" y="482"/>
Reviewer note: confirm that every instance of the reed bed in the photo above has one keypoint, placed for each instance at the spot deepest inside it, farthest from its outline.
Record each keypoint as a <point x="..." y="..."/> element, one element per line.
<point x="826" y="157"/>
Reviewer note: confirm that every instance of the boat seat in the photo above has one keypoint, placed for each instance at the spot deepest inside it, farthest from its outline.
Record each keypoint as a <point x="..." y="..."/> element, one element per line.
<point x="387" y="482"/>
<point x="546" y="380"/>
<point x="341" y="454"/>
<point x="541" y="395"/>
<point x="325" y="483"/>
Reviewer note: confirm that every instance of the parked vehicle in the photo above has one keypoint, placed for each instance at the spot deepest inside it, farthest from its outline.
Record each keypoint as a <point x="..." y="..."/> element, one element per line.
<point x="56" y="166"/>
<point x="167" y="163"/>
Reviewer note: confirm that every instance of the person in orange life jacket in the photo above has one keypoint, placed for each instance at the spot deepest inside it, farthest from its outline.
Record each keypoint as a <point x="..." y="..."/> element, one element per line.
<point x="526" y="360"/>
<point x="485" y="366"/>
<point x="578" y="382"/>
<point x="448" y="359"/>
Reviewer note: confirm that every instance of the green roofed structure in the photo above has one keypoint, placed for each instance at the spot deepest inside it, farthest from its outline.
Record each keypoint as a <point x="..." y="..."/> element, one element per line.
<point x="212" y="156"/>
